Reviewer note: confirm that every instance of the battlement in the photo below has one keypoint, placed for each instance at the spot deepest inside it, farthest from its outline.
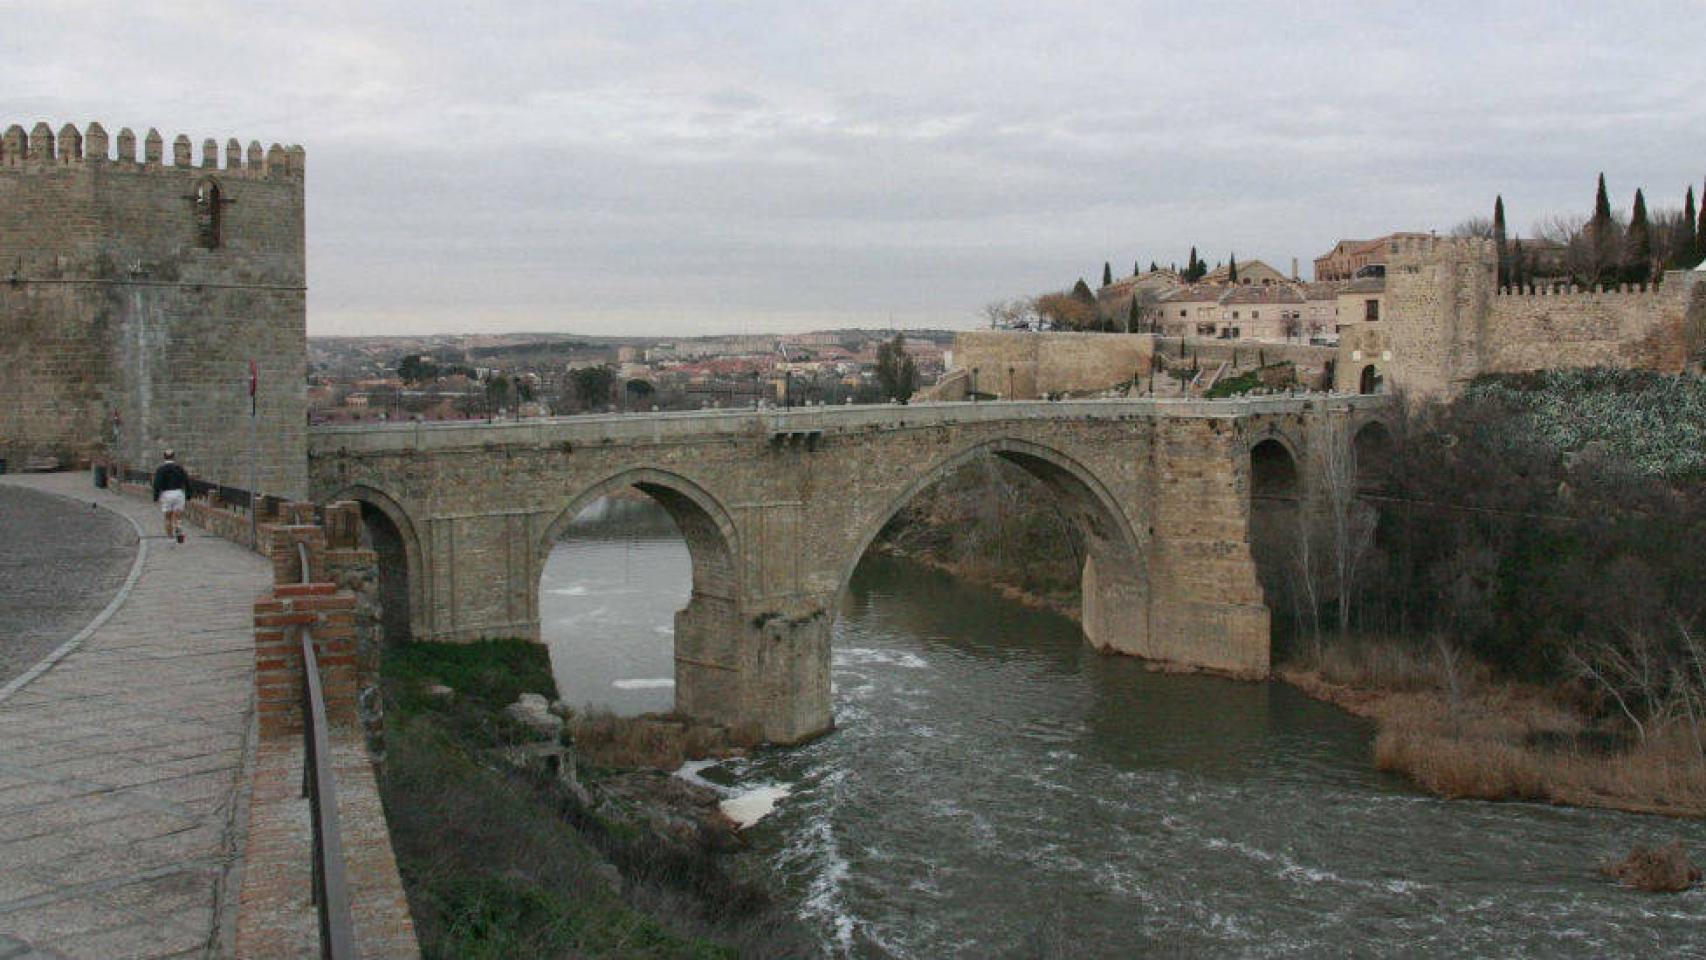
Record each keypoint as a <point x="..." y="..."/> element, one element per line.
<point x="1562" y="291"/>
<point x="40" y="146"/>
<point x="1406" y="254"/>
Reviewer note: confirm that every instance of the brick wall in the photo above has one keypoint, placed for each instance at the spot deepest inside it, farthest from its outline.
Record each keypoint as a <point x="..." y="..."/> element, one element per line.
<point x="111" y="299"/>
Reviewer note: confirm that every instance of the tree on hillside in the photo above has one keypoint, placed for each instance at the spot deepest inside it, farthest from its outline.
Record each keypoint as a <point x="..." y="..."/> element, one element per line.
<point x="1518" y="272"/>
<point x="499" y="392"/>
<point x="897" y="375"/>
<point x="1499" y="240"/>
<point x="1232" y="269"/>
<point x="1687" y="249"/>
<point x="1604" y="238"/>
<point x="1152" y="267"/>
<point x="1700" y="231"/>
<point x="1107" y="274"/>
<point x="1638" y="247"/>
<point x="413" y="369"/>
<point x="592" y="386"/>
<point x="1065" y="311"/>
<point x="1081" y="292"/>
<point x="1134" y="316"/>
<point x="1137" y="268"/>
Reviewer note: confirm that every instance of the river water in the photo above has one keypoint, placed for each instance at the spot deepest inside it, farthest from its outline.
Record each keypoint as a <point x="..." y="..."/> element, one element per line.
<point x="995" y="788"/>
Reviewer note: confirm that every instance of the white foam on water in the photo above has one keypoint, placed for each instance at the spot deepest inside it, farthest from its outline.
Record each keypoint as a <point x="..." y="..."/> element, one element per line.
<point x="664" y="631"/>
<point x="645" y="683"/>
<point x="577" y="590"/>
<point x="860" y="656"/>
<point x="753" y="805"/>
<point x="690" y="772"/>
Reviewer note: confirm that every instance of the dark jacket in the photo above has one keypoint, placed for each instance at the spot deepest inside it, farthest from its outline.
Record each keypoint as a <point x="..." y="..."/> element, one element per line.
<point x="170" y="476"/>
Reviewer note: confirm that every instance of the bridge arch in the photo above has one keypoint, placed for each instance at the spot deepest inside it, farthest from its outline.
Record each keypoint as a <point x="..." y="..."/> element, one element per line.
<point x="402" y="564"/>
<point x="1114" y="583"/>
<point x="712" y="540"/>
<point x="1372" y="447"/>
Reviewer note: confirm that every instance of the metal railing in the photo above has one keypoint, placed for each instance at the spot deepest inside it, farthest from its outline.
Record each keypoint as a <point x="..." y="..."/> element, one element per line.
<point x="319" y="786"/>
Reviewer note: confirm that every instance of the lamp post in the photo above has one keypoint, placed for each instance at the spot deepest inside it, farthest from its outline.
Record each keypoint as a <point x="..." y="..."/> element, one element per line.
<point x="1010" y="383"/>
<point x="973" y="384"/>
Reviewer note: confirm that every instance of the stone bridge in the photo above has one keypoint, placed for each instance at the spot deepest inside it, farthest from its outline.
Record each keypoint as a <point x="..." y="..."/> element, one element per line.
<point x="778" y="506"/>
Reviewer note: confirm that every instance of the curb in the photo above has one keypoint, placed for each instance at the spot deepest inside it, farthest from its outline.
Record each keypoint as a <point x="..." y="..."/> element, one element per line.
<point x="65" y="649"/>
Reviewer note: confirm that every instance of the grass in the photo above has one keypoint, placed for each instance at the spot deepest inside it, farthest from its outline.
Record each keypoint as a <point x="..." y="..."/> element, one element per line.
<point x="1457" y="731"/>
<point x="653" y="741"/>
<point x="500" y="861"/>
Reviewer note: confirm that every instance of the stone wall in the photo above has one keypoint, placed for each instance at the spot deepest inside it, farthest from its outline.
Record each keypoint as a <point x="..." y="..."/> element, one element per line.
<point x="1446" y="322"/>
<point x="145" y="286"/>
<point x="1019" y="365"/>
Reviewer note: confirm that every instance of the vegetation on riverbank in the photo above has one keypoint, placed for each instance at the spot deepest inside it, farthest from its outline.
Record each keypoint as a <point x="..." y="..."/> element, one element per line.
<point x="992" y="523"/>
<point x="1523" y="611"/>
<point x="1459" y="730"/>
<point x="509" y="847"/>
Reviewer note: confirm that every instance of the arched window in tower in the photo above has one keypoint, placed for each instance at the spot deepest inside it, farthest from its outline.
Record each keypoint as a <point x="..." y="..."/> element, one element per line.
<point x="207" y="214"/>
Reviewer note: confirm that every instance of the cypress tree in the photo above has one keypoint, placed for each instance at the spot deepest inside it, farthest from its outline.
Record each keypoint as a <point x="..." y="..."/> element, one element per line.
<point x="1081" y="292"/>
<point x="1700" y="234"/>
<point x="1516" y="272"/>
<point x="1137" y="268"/>
<point x="1232" y="270"/>
<point x="1191" y="273"/>
<point x="1153" y="267"/>
<point x="1687" y="252"/>
<point x="1107" y="274"/>
<point x="1638" y="264"/>
<point x="1602" y="238"/>
<point x="1131" y="322"/>
<point x="1499" y="240"/>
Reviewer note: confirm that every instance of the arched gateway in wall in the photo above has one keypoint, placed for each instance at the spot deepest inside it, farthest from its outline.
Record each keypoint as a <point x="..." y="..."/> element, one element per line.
<point x="778" y="507"/>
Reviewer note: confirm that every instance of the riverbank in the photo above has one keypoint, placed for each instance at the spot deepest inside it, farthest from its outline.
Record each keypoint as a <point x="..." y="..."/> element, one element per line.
<point x="1461" y="733"/>
<point x="512" y="843"/>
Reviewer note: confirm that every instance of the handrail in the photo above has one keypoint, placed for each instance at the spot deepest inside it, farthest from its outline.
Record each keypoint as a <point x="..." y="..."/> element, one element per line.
<point x="330" y="890"/>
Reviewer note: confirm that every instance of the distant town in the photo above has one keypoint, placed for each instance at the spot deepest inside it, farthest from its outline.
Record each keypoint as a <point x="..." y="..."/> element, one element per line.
<point x="492" y="376"/>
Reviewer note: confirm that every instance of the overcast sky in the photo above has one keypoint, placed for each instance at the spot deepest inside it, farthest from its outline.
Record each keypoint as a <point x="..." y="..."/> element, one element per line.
<point x="705" y="167"/>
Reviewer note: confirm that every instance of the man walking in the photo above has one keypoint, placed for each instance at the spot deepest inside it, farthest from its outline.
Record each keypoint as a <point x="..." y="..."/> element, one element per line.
<point x="171" y="486"/>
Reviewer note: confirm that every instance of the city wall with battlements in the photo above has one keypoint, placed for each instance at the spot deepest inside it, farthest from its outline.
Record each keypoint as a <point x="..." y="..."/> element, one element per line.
<point x="1447" y="321"/>
<point x="139" y="279"/>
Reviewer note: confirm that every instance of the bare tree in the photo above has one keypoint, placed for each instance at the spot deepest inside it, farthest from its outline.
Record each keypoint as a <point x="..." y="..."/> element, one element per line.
<point x="1349" y="522"/>
<point x="1479" y="228"/>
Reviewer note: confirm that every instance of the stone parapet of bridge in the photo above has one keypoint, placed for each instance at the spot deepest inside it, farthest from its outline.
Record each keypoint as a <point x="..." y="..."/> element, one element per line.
<point x="778" y="506"/>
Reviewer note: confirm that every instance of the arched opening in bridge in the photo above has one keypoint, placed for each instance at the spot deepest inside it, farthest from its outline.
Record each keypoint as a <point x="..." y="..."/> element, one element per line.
<point x="1372" y="447"/>
<point x="386" y="530"/>
<point x="1275" y="529"/>
<point x="1372" y="381"/>
<point x="621" y="566"/>
<point x="386" y="542"/>
<point x="1003" y="518"/>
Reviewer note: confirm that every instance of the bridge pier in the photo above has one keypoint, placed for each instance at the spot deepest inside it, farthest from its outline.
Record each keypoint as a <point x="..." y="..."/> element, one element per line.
<point x="765" y="673"/>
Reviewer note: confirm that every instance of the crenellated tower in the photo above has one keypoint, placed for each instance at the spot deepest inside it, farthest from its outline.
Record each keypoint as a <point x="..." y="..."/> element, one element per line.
<point x="136" y="286"/>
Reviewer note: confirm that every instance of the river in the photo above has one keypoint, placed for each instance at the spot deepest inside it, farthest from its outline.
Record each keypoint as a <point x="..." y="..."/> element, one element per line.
<point x="995" y="788"/>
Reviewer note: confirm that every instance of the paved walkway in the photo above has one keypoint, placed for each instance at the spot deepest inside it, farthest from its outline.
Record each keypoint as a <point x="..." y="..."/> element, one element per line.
<point x="122" y="765"/>
<point x="60" y="562"/>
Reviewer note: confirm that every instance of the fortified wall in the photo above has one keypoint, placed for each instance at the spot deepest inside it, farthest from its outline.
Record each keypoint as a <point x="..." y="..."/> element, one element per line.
<point x="1448" y="321"/>
<point x="135" y="291"/>
<point x="1026" y="366"/>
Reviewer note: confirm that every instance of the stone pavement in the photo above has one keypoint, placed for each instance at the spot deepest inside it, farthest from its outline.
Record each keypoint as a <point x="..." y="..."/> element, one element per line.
<point x="122" y="767"/>
<point x="60" y="562"/>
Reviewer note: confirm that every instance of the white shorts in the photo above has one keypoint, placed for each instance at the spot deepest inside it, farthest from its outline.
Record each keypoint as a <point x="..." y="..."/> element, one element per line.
<point x="171" y="501"/>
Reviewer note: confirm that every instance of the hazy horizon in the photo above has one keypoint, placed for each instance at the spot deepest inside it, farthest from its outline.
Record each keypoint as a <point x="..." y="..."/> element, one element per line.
<point x="683" y="169"/>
